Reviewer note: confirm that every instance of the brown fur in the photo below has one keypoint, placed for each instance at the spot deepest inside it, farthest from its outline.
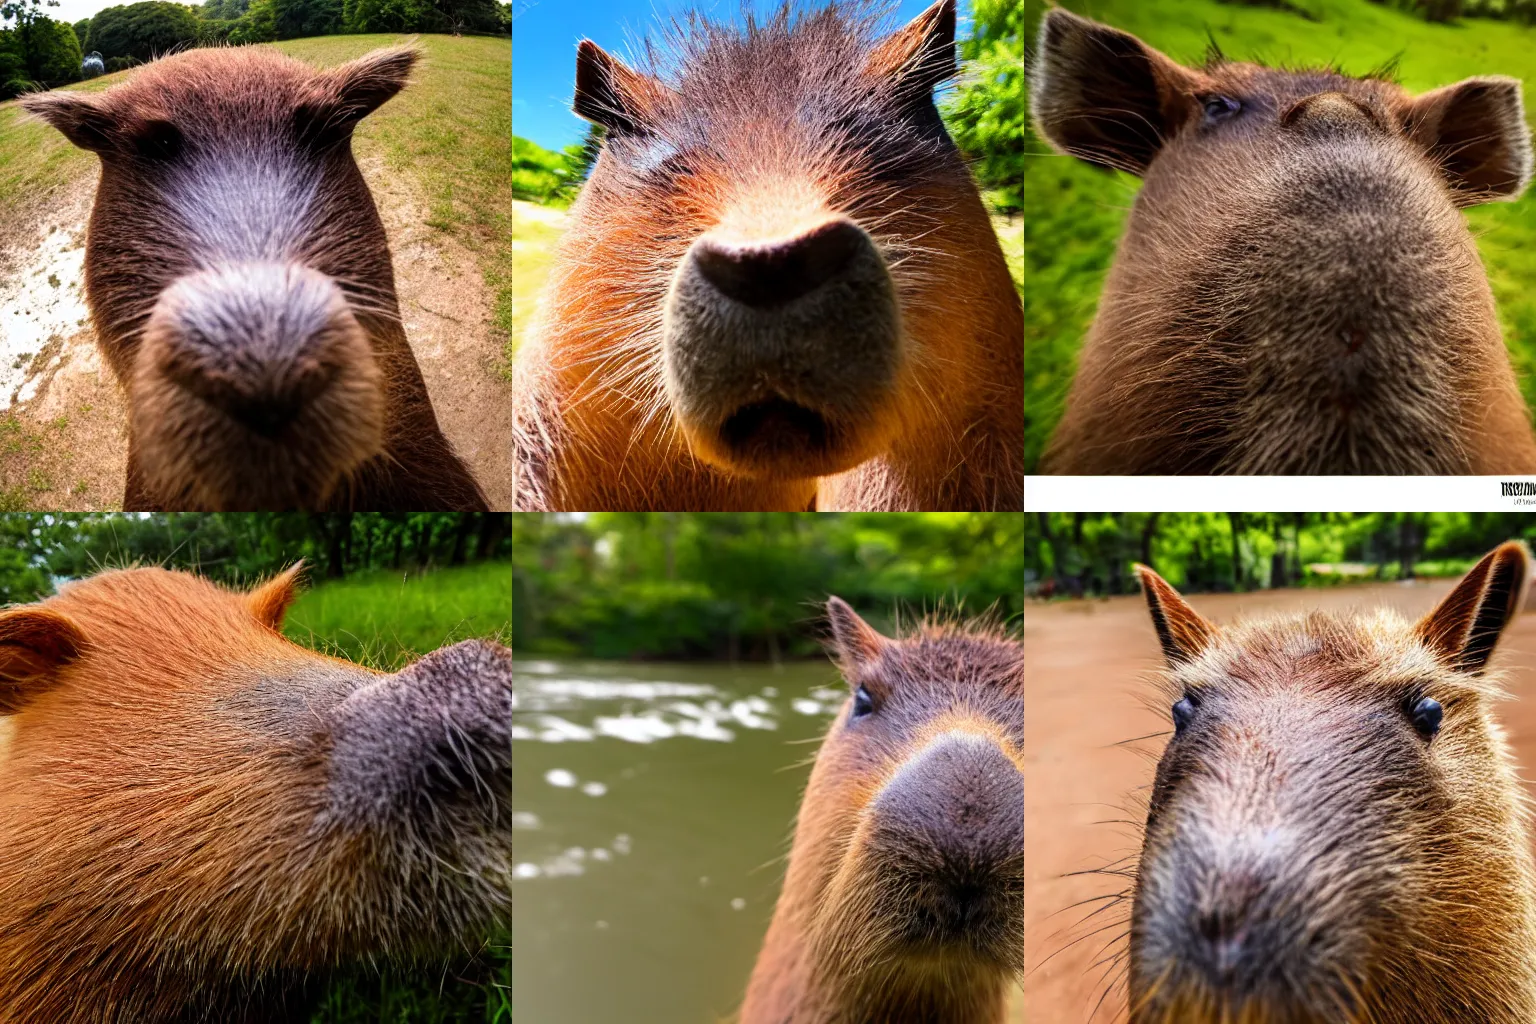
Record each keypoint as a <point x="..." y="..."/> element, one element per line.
<point x="1296" y="290"/>
<point x="855" y="937"/>
<point x="175" y="842"/>
<point x="800" y="123"/>
<point x="1345" y="865"/>
<point x="237" y="273"/>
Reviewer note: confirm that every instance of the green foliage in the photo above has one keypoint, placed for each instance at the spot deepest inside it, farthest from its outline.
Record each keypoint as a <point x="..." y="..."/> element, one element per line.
<point x="143" y="30"/>
<point x="988" y="112"/>
<point x="709" y="585"/>
<point x="35" y="50"/>
<point x="1074" y="214"/>
<point x="1081" y="553"/>
<point x="295" y="19"/>
<point x="543" y="175"/>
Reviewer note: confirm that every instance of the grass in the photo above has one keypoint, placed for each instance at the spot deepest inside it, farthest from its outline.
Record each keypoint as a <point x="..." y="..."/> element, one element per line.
<point x="449" y="133"/>
<point x="1074" y="214"/>
<point x="384" y="619"/>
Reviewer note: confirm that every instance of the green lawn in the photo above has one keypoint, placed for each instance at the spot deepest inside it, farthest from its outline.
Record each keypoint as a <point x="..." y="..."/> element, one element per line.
<point x="385" y="619"/>
<point x="450" y="131"/>
<point x="1074" y="214"/>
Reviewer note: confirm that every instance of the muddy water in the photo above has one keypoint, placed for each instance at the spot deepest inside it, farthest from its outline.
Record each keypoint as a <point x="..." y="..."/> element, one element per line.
<point x="652" y="806"/>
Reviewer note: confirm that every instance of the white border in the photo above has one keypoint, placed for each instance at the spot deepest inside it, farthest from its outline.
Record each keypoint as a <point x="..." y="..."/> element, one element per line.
<point x="1277" y="493"/>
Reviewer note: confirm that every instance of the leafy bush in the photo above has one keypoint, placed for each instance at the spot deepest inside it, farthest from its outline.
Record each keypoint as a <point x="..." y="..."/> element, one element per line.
<point x="143" y="30"/>
<point x="988" y="112"/>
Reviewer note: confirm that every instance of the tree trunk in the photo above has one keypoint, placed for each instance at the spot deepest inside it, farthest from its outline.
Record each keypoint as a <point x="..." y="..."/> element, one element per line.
<point x="1235" y="520"/>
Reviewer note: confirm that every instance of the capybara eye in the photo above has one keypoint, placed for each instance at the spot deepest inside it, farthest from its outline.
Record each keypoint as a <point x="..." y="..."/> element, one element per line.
<point x="158" y="140"/>
<point x="1427" y="714"/>
<point x="863" y="704"/>
<point x="1219" y="108"/>
<point x="1183" y="714"/>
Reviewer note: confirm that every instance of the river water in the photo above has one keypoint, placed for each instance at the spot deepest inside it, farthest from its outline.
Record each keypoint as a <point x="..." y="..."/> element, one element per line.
<point x="653" y="807"/>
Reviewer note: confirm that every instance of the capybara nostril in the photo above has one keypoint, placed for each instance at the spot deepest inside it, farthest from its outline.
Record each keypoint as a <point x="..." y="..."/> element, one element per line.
<point x="259" y="343"/>
<point x="1331" y="112"/>
<point x="255" y="387"/>
<point x="778" y="271"/>
<point x="950" y="826"/>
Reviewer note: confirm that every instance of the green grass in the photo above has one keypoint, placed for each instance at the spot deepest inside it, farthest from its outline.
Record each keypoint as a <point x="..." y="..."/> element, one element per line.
<point x="1074" y="214"/>
<point x="385" y="619"/>
<point x="449" y="132"/>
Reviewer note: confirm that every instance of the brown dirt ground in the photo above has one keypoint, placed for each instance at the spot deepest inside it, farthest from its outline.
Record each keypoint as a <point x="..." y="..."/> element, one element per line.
<point x="65" y="448"/>
<point x="1086" y="668"/>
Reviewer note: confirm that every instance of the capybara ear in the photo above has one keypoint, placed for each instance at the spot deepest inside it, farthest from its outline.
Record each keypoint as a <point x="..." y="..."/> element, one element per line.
<point x="920" y="55"/>
<point x="1103" y="95"/>
<point x="1467" y="623"/>
<point x="363" y="85"/>
<point x="1183" y="632"/>
<point x="79" y="116"/>
<point x="269" y="602"/>
<point x="34" y="642"/>
<point x="856" y="642"/>
<point x="610" y="93"/>
<point x="1476" y="131"/>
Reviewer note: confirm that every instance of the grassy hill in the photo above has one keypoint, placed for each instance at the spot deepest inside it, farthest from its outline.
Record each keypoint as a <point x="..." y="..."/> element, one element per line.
<point x="385" y="619"/>
<point x="449" y="132"/>
<point x="1074" y="214"/>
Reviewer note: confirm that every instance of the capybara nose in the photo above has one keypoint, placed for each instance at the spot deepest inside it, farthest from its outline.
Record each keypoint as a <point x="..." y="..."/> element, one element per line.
<point x="779" y="271"/>
<point x="433" y="739"/>
<point x="260" y="342"/>
<point x="1331" y="113"/>
<point x="950" y="823"/>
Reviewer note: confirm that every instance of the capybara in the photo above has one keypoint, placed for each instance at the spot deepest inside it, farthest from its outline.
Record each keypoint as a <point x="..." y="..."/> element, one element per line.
<point x="1296" y="290"/>
<point x="240" y="284"/>
<point x="1336" y="833"/>
<point x="779" y="290"/>
<point x="904" y="898"/>
<point x="197" y="816"/>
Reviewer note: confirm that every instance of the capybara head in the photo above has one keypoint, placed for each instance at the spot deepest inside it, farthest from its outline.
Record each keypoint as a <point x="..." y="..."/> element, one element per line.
<point x="771" y="202"/>
<point x="237" y="269"/>
<point x="1297" y="291"/>
<point x="1336" y="832"/>
<point x="906" y="880"/>
<point x="196" y="813"/>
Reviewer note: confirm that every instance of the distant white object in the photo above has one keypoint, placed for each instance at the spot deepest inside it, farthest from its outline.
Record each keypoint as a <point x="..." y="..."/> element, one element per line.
<point x="92" y="65"/>
<point x="560" y="777"/>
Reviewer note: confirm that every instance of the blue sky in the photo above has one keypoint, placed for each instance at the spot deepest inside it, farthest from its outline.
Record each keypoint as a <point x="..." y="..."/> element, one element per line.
<point x="544" y="38"/>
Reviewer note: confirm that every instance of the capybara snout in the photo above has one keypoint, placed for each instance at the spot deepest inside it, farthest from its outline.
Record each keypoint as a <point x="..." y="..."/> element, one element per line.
<point x="254" y="388"/>
<point x="781" y="353"/>
<point x="197" y="815"/>
<point x="947" y="829"/>
<point x="1336" y="811"/>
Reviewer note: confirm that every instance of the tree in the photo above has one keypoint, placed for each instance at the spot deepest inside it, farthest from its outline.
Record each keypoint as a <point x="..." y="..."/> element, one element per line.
<point x="143" y="31"/>
<point x="46" y="50"/>
<point x="987" y="113"/>
<point x="295" y="19"/>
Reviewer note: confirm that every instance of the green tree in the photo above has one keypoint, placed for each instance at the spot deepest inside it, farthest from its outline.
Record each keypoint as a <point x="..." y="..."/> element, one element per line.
<point x="46" y="50"/>
<point x="988" y="113"/>
<point x="295" y="19"/>
<point x="143" y="31"/>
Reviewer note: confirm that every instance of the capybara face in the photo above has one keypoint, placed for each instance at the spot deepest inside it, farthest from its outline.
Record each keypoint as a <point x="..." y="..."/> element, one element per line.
<point x="913" y="821"/>
<point x="236" y="269"/>
<point x="769" y="202"/>
<point x="196" y="813"/>
<point x="1295" y="259"/>
<point x="1334" y="815"/>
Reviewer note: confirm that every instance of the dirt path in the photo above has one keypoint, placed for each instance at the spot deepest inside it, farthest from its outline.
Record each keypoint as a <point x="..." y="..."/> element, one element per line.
<point x="1085" y="670"/>
<point x="63" y="436"/>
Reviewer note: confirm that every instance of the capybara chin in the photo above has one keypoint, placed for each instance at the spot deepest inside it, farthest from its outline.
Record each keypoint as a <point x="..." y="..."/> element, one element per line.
<point x="240" y="285"/>
<point x="904" y="898"/>
<point x="199" y="818"/>
<point x="780" y="289"/>
<point x="1336" y="833"/>
<point x="1297" y="290"/>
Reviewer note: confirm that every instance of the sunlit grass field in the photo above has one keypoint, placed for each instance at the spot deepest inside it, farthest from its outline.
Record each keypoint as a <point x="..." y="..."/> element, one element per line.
<point x="449" y="132"/>
<point x="1074" y="214"/>
<point x="386" y="619"/>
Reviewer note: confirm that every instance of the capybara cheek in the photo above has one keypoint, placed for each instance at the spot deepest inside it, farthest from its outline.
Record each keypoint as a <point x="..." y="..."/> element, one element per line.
<point x="254" y="387"/>
<point x="428" y="745"/>
<point x="782" y="357"/>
